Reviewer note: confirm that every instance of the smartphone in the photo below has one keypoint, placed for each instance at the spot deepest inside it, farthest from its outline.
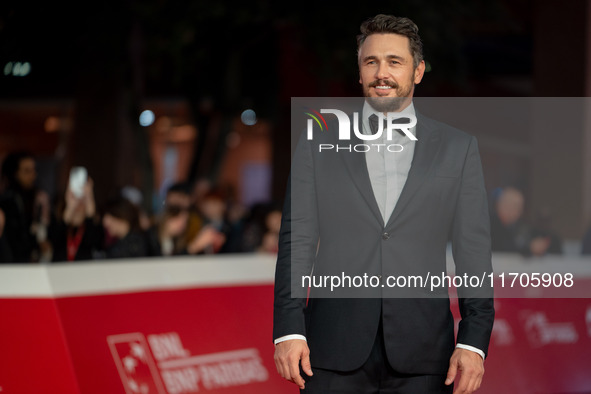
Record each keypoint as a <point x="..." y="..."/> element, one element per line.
<point x="78" y="177"/>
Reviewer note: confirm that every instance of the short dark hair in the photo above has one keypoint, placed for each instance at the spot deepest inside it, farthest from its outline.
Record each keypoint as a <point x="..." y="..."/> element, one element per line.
<point x="11" y="165"/>
<point x="123" y="209"/>
<point x="395" y="25"/>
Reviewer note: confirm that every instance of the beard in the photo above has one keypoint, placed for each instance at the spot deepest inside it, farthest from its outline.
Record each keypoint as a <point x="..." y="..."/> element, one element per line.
<point x="388" y="104"/>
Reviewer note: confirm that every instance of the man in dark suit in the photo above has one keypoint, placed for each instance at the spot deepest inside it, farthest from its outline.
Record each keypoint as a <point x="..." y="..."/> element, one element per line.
<point x="384" y="214"/>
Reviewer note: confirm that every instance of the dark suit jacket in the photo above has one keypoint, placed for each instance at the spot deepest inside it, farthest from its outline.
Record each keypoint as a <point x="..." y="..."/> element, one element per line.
<point x="332" y="222"/>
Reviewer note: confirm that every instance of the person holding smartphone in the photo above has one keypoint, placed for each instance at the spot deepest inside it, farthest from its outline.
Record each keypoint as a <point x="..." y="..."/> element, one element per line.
<point x="77" y="234"/>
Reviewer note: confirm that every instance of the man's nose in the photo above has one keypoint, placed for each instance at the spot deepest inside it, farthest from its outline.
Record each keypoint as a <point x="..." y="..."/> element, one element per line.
<point x="382" y="71"/>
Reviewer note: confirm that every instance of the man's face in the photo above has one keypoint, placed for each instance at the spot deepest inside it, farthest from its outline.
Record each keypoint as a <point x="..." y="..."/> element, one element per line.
<point x="387" y="73"/>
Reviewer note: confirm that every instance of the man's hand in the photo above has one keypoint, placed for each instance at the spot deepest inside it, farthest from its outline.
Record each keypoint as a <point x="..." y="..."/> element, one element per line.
<point x="471" y="367"/>
<point x="287" y="360"/>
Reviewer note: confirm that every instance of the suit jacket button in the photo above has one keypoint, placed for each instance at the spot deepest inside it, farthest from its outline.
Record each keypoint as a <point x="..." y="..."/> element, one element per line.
<point x="385" y="236"/>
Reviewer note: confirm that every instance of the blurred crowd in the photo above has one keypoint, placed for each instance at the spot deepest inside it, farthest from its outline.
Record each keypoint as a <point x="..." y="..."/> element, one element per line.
<point x="200" y="219"/>
<point x="194" y="219"/>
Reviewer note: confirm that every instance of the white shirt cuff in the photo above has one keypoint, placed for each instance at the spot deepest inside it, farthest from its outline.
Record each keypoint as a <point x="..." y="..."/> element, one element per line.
<point x="471" y="348"/>
<point x="288" y="337"/>
<point x="303" y="338"/>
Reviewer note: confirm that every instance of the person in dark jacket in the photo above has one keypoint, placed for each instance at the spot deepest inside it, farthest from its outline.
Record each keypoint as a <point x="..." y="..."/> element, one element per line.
<point x="511" y="233"/>
<point x="5" y="251"/>
<point x="121" y="222"/>
<point x="25" y="207"/>
<point x="77" y="234"/>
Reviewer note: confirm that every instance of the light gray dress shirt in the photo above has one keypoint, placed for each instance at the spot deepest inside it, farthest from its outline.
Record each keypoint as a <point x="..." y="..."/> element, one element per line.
<point x="388" y="168"/>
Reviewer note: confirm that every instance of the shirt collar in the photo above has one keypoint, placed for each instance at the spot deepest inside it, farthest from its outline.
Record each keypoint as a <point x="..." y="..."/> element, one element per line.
<point x="368" y="110"/>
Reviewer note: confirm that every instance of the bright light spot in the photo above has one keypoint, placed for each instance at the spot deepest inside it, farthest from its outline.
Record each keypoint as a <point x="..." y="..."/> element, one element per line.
<point x="25" y="69"/>
<point x="249" y="117"/>
<point x="17" y="69"/>
<point x="147" y="118"/>
<point x="8" y="68"/>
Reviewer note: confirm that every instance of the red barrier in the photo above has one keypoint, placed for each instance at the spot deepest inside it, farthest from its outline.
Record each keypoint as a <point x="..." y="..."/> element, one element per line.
<point x="180" y="341"/>
<point x="183" y="326"/>
<point x="203" y="325"/>
<point x="35" y="356"/>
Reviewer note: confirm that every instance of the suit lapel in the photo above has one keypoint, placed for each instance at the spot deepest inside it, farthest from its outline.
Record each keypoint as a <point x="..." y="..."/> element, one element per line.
<point x="428" y="141"/>
<point x="425" y="151"/>
<point x="357" y="166"/>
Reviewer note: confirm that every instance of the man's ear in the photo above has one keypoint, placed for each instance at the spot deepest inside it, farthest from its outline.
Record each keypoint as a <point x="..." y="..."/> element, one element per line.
<point x="419" y="71"/>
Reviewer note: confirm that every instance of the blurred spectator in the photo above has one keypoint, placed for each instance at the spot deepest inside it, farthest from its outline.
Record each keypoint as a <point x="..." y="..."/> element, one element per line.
<point x="270" y="241"/>
<point x="201" y="188"/>
<point x="542" y="228"/>
<point x="26" y="209"/>
<point x="213" y="209"/>
<point x="586" y="249"/>
<point x="177" y="225"/>
<point x="121" y="222"/>
<point x="509" y="232"/>
<point x="257" y="226"/>
<point x="235" y="218"/>
<point x="178" y="195"/>
<point x="218" y="234"/>
<point x="212" y="236"/>
<point x="77" y="233"/>
<point x="254" y="227"/>
<point x="5" y="253"/>
<point x="135" y="196"/>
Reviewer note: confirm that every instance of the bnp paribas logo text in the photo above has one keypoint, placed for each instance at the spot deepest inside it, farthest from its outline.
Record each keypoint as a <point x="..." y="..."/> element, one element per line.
<point x="390" y="126"/>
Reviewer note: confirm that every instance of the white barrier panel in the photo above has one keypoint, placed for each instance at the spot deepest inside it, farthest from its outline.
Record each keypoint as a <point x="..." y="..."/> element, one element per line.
<point x="142" y="274"/>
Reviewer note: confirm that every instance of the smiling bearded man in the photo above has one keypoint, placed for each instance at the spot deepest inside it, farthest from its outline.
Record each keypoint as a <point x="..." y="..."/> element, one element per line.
<point x="384" y="214"/>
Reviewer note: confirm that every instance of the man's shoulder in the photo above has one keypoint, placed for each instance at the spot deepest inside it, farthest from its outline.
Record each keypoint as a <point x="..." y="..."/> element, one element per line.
<point x="446" y="131"/>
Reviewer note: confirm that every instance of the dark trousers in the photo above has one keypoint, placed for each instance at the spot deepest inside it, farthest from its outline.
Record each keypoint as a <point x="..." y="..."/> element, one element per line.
<point x="373" y="377"/>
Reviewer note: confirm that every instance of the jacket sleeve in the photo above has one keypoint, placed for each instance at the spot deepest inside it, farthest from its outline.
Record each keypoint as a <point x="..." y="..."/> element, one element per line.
<point x="471" y="248"/>
<point x="298" y="241"/>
